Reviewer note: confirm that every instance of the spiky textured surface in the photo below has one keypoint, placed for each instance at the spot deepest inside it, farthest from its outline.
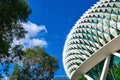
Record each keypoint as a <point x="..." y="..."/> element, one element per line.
<point x="98" y="26"/>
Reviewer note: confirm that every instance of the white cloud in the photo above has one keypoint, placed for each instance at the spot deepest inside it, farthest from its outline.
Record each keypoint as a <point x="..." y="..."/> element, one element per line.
<point x="33" y="37"/>
<point x="37" y="42"/>
<point x="33" y="29"/>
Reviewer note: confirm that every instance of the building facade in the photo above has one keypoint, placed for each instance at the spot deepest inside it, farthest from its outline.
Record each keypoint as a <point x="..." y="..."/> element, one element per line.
<point x="92" y="47"/>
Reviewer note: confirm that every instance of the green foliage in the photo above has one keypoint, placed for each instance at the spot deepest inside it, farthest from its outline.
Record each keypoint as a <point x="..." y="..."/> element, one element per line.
<point x="12" y="14"/>
<point x="113" y="70"/>
<point x="16" y="72"/>
<point x="116" y="70"/>
<point x="82" y="78"/>
<point x="37" y="64"/>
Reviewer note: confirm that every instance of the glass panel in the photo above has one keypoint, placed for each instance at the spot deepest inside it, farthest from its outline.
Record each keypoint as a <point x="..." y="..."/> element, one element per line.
<point x="115" y="6"/>
<point x="95" y="72"/>
<point x="114" y="69"/>
<point x="108" y="5"/>
<point x="111" y="36"/>
<point x="118" y="31"/>
<point x="107" y="11"/>
<point x="118" y="0"/>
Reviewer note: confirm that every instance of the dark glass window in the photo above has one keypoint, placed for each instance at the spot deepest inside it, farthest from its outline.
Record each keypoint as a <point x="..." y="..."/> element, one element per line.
<point x="95" y="72"/>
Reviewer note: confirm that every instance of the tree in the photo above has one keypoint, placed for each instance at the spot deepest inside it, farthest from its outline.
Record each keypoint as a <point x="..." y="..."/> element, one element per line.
<point x="18" y="72"/>
<point x="114" y="69"/>
<point x="37" y="65"/>
<point x="82" y="78"/>
<point x="12" y="14"/>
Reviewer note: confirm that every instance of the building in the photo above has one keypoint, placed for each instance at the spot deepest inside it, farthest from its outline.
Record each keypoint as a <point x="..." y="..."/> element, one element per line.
<point x="92" y="47"/>
<point x="61" y="78"/>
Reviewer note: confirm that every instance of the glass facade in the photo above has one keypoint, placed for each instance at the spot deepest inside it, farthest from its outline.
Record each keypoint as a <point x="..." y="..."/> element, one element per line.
<point x="113" y="72"/>
<point x="114" y="69"/>
<point x="96" y="29"/>
<point x="95" y="72"/>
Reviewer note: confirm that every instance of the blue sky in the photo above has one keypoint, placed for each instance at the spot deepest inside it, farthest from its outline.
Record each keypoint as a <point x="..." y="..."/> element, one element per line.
<point x="51" y="21"/>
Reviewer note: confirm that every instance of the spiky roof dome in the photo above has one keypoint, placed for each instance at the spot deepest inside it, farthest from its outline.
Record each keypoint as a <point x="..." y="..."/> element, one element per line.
<point x="97" y="27"/>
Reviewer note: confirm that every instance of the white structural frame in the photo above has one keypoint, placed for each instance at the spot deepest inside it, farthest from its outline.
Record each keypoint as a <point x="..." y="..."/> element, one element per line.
<point x="116" y="54"/>
<point x="97" y="57"/>
<point x="94" y="37"/>
<point x="105" y="68"/>
<point x="88" y="77"/>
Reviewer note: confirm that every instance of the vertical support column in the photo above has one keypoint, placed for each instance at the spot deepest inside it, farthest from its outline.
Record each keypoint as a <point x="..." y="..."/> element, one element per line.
<point x="88" y="77"/>
<point x="105" y="68"/>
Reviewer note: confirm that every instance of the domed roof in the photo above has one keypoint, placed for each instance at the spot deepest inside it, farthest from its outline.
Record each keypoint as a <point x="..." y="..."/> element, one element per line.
<point x="97" y="27"/>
